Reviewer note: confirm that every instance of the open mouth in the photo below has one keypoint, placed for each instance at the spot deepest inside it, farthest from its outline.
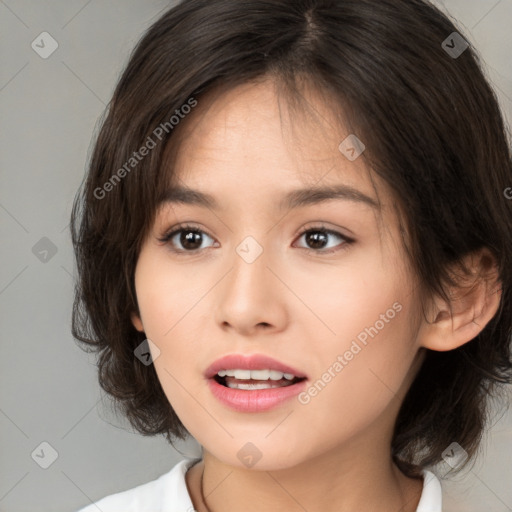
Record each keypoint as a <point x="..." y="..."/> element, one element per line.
<point x="260" y="385"/>
<point x="255" y="379"/>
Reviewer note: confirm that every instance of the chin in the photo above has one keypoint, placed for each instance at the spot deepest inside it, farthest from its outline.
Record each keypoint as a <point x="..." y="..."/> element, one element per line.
<point x="258" y="455"/>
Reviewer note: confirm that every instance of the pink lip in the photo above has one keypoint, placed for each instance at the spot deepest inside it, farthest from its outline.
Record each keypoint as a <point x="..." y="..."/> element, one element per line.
<point x="259" y="400"/>
<point x="252" y="362"/>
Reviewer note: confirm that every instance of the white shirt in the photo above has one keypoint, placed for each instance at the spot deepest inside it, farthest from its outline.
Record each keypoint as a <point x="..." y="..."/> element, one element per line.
<point x="169" y="493"/>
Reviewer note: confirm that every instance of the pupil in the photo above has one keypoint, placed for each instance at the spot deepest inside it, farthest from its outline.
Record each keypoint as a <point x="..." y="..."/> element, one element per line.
<point x="315" y="237"/>
<point x="187" y="239"/>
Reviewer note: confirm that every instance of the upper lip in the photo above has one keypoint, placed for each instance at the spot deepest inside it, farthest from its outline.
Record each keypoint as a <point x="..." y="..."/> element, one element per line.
<point x="250" y="362"/>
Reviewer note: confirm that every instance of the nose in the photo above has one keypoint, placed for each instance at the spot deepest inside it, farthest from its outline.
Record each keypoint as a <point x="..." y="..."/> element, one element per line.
<point x="251" y="297"/>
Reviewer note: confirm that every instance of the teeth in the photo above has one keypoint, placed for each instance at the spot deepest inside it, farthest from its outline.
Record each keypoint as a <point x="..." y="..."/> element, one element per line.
<point x="242" y="374"/>
<point x="260" y="374"/>
<point x="256" y="385"/>
<point x="256" y="374"/>
<point x="276" y="375"/>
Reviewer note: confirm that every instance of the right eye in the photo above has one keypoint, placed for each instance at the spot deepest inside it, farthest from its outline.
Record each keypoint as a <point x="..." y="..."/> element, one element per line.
<point x="190" y="238"/>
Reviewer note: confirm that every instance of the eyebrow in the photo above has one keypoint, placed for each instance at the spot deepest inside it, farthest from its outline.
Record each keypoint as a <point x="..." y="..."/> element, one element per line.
<point x="294" y="199"/>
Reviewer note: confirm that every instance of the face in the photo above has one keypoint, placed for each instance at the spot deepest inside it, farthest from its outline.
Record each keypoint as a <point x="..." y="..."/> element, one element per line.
<point x="320" y="287"/>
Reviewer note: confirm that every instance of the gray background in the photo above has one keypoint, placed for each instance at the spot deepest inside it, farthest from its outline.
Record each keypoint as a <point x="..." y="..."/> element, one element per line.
<point x="48" y="387"/>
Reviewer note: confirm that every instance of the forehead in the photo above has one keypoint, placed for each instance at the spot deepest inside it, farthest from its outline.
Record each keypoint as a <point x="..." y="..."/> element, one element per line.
<point x="248" y="141"/>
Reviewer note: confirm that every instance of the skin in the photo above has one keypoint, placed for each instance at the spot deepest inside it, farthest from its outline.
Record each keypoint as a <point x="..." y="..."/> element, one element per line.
<point x="332" y="454"/>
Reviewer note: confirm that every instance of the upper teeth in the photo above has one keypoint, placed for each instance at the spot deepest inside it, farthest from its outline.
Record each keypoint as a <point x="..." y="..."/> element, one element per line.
<point x="256" y="374"/>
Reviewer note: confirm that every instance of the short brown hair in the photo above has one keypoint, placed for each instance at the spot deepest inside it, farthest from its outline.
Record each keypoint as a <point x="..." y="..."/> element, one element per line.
<point x="433" y="131"/>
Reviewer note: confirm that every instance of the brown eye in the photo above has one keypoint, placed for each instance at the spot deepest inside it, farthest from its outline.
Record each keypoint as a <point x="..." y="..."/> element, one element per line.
<point x="186" y="239"/>
<point x="317" y="239"/>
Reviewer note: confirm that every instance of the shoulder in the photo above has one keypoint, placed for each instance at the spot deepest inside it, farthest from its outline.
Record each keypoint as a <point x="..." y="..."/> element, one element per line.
<point x="166" y="493"/>
<point x="431" y="496"/>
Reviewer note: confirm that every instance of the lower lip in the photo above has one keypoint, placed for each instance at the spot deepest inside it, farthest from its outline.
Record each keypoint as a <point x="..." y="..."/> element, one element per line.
<point x="257" y="400"/>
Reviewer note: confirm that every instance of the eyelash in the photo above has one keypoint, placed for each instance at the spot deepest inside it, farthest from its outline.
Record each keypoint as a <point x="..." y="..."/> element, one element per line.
<point x="167" y="237"/>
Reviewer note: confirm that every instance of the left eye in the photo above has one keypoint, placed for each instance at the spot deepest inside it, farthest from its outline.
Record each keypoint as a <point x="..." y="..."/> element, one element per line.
<point x="317" y="236"/>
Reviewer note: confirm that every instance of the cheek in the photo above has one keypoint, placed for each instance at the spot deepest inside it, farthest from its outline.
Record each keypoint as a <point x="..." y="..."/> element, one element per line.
<point x="166" y="294"/>
<point x="357" y="383"/>
<point x="168" y="300"/>
<point x="363" y="361"/>
<point x="351" y="297"/>
<point x="375" y="335"/>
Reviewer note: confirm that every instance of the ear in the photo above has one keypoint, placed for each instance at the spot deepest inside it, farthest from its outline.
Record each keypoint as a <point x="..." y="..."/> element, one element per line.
<point x="137" y="322"/>
<point x="473" y="304"/>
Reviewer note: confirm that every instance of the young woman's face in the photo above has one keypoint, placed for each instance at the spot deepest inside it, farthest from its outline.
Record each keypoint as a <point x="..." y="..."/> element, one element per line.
<point x="250" y="282"/>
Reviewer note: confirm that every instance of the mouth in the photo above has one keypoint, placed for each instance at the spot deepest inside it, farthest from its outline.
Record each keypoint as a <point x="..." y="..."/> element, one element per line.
<point x="254" y="383"/>
<point x="255" y="379"/>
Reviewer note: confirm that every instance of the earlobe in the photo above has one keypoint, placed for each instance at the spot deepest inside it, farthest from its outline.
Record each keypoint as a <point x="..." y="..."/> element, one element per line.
<point x="137" y="322"/>
<point x="473" y="304"/>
